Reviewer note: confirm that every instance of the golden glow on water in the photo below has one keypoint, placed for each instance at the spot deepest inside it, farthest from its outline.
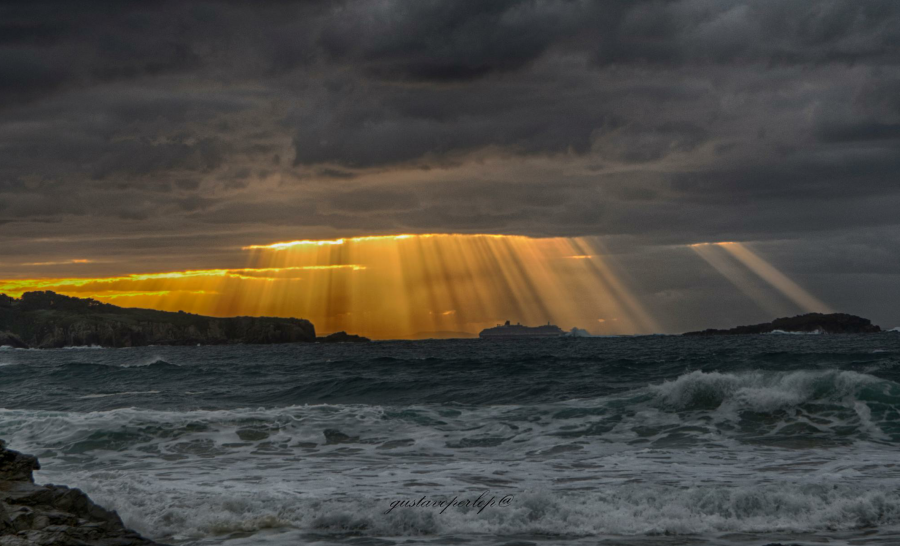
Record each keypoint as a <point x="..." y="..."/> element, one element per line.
<point x="728" y="257"/>
<point x="393" y="286"/>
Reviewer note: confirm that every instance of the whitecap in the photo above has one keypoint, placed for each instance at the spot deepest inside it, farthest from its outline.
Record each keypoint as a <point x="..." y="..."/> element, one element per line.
<point x="107" y="395"/>
<point x="148" y="362"/>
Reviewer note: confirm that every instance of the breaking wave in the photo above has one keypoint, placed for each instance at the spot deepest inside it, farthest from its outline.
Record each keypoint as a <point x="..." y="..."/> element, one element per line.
<point x="626" y="510"/>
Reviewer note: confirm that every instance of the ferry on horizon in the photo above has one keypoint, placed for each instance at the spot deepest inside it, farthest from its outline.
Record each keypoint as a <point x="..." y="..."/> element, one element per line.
<point x="517" y="331"/>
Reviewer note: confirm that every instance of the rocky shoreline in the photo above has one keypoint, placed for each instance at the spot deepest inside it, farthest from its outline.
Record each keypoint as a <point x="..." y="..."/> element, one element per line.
<point x="53" y="515"/>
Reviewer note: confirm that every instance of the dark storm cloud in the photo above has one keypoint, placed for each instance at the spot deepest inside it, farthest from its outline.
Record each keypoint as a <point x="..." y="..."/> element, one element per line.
<point x="860" y="131"/>
<point x="441" y="41"/>
<point x="365" y="200"/>
<point x="656" y="122"/>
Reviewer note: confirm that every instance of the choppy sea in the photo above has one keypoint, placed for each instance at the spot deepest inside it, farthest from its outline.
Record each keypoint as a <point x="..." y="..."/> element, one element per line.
<point x="629" y="440"/>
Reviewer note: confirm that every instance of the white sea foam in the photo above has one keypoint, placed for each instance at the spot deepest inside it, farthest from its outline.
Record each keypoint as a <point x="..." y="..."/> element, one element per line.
<point x="107" y="395"/>
<point x="674" y="458"/>
<point x="170" y="509"/>
<point x="784" y="332"/>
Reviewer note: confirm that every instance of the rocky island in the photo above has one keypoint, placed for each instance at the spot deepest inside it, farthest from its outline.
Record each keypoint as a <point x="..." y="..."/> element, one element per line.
<point x="833" y="323"/>
<point x="53" y="515"/>
<point x="45" y="320"/>
<point x="342" y="337"/>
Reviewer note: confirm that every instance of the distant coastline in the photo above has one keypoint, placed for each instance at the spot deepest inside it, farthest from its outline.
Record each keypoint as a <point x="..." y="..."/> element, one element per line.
<point x="810" y="323"/>
<point x="442" y="335"/>
<point x="47" y="320"/>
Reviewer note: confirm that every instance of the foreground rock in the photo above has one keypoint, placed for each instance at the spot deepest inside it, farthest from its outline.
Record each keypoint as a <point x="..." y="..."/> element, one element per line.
<point x="343" y="337"/>
<point x="45" y="515"/>
<point x="48" y="320"/>
<point x="834" y="323"/>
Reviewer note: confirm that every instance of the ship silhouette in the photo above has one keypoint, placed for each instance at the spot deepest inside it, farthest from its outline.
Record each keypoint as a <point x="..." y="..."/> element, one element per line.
<point x="519" y="331"/>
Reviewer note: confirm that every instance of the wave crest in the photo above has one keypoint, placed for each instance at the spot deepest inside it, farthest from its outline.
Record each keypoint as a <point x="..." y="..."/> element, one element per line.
<point x="773" y="391"/>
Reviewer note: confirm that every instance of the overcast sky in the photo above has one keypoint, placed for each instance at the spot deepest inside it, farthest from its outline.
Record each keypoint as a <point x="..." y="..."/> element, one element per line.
<point x="166" y="135"/>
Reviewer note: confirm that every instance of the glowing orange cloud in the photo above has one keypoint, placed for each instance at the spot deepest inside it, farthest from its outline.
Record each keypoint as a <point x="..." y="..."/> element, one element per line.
<point x="720" y="244"/>
<point x="291" y="244"/>
<point x="66" y="262"/>
<point x="307" y="242"/>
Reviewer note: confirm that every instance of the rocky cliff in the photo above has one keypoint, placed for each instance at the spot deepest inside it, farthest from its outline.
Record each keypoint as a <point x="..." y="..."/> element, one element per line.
<point x="50" y="320"/>
<point x="834" y="323"/>
<point x="53" y="515"/>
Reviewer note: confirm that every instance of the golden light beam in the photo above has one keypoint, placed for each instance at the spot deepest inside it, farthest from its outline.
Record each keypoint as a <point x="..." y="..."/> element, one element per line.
<point x="777" y="279"/>
<point x="628" y="303"/>
<point x="741" y="279"/>
<point x="391" y="286"/>
<point x="767" y="272"/>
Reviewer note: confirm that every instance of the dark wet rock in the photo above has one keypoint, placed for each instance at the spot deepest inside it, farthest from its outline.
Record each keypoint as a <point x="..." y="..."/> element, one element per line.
<point x="45" y="515"/>
<point x="50" y="320"/>
<point x="252" y="435"/>
<point x="477" y="442"/>
<point x="834" y="323"/>
<point x="9" y="339"/>
<point x="342" y="337"/>
<point x="333" y="436"/>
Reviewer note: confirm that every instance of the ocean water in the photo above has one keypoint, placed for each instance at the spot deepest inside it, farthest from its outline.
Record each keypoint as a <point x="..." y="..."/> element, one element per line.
<point x="630" y="440"/>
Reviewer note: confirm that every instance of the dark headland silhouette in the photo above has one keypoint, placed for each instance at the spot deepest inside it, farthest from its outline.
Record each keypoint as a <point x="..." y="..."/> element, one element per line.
<point x="833" y="323"/>
<point x="46" y="320"/>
